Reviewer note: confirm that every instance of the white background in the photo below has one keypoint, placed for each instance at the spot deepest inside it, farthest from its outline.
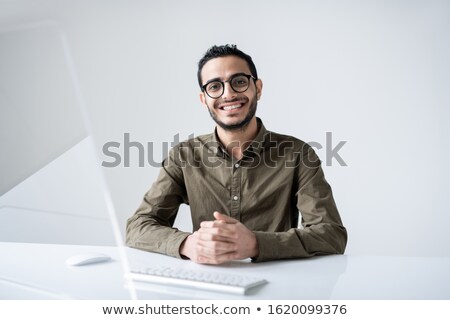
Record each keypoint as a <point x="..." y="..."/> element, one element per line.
<point x="374" y="73"/>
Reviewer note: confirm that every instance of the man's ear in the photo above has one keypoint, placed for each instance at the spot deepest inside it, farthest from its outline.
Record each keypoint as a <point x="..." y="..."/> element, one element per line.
<point x="259" y="86"/>
<point x="203" y="99"/>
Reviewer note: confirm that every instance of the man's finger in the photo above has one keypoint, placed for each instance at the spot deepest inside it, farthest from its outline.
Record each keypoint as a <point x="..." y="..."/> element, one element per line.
<point x="216" y="234"/>
<point x="209" y="248"/>
<point x="221" y="217"/>
<point x="216" y="260"/>
<point x="217" y="224"/>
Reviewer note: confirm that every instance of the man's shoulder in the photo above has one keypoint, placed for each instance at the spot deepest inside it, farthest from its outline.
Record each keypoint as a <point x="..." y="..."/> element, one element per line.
<point x="288" y="146"/>
<point x="276" y="139"/>
<point x="195" y="146"/>
<point x="200" y="140"/>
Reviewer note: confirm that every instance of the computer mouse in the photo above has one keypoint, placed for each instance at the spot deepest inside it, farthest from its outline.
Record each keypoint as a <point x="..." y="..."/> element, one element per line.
<point x="87" y="258"/>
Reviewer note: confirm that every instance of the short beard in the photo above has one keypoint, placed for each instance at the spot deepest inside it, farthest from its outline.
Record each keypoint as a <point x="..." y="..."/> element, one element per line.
<point x="238" y="126"/>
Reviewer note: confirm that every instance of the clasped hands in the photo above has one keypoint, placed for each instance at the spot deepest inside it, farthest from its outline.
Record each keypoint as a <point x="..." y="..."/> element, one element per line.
<point x="219" y="241"/>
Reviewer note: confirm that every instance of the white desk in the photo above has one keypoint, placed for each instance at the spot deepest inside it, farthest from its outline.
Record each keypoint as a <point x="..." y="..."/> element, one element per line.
<point x="38" y="271"/>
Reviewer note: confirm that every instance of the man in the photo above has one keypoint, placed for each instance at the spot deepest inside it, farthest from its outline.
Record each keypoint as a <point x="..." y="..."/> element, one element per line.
<point x="245" y="185"/>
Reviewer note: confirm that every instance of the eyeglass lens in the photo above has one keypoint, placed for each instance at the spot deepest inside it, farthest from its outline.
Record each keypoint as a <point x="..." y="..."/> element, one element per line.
<point x="238" y="83"/>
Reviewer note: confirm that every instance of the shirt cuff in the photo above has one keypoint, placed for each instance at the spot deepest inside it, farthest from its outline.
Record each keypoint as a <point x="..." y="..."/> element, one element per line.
<point x="174" y="244"/>
<point x="267" y="245"/>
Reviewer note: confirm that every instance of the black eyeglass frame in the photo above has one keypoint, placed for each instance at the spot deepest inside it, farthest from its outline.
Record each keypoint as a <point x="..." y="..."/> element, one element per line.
<point x="248" y="76"/>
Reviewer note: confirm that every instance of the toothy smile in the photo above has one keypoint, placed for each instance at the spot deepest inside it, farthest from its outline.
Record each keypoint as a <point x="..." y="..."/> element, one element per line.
<point x="232" y="105"/>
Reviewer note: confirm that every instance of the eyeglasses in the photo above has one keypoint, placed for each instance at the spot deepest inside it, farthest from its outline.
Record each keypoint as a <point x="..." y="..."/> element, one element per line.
<point x="239" y="83"/>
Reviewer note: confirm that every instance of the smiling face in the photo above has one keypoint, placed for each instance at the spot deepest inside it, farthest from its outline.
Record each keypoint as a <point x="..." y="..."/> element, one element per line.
<point x="233" y="110"/>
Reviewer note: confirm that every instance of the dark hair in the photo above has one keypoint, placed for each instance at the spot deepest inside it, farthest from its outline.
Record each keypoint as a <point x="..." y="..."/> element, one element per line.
<point x="223" y="51"/>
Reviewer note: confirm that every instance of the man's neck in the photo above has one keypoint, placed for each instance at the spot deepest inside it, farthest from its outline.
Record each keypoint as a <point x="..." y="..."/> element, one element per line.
<point x="237" y="141"/>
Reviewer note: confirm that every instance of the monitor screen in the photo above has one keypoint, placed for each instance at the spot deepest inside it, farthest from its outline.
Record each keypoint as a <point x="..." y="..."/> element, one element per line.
<point x="50" y="190"/>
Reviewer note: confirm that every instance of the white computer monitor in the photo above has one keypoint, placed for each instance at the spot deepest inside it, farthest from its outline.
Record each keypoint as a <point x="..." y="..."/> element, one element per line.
<point x="50" y="187"/>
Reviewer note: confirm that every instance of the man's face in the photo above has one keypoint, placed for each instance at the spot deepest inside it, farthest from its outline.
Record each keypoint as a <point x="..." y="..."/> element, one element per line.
<point x="233" y="110"/>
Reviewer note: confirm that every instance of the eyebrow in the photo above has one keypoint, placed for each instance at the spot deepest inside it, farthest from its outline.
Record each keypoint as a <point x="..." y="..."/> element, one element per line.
<point x="220" y="79"/>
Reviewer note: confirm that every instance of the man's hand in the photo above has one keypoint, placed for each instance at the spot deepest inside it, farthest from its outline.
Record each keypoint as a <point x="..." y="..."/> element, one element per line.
<point x="219" y="241"/>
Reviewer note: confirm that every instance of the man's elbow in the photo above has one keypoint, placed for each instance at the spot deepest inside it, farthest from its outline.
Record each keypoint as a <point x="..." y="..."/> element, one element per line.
<point x="340" y="237"/>
<point x="130" y="234"/>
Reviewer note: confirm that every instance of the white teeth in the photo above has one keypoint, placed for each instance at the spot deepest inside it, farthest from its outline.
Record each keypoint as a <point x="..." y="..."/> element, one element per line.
<point x="231" y="107"/>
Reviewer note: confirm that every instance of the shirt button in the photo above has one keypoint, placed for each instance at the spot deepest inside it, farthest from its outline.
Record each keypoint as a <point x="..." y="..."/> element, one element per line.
<point x="235" y="197"/>
<point x="236" y="165"/>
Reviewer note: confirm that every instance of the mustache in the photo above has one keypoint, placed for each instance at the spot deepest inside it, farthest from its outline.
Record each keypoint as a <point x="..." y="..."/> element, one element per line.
<point x="238" y="100"/>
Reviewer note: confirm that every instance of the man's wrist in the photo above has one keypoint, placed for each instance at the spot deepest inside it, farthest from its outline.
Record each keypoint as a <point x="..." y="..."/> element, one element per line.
<point x="255" y="249"/>
<point x="183" y="249"/>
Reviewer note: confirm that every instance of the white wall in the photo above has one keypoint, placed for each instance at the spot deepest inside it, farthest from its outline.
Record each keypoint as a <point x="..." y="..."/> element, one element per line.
<point x="374" y="73"/>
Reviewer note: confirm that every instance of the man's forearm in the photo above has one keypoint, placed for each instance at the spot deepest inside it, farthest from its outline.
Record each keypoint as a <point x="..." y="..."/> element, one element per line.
<point x="147" y="234"/>
<point x="301" y="243"/>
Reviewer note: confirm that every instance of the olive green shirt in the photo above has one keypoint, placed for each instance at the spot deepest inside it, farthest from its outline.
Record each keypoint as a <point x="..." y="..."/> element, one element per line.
<point x="278" y="177"/>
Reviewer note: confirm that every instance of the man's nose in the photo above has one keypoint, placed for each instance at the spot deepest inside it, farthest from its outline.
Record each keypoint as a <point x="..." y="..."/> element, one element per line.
<point x="228" y="92"/>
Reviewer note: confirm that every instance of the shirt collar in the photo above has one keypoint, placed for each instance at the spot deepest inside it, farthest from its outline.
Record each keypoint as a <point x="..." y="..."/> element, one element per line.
<point x="256" y="146"/>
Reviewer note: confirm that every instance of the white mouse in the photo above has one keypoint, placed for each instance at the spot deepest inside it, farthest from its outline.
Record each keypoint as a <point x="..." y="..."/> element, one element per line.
<point x="87" y="258"/>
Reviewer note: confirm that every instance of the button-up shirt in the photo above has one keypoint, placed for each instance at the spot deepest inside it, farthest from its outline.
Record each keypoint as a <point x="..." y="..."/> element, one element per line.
<point x="277" y="190"/>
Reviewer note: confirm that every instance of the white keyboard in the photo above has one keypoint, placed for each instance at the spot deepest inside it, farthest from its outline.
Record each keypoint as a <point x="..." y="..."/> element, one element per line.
<point x="196" y="279"/>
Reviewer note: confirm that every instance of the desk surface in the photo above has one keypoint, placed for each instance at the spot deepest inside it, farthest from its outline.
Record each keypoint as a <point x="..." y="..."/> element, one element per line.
<point x="38" y="271"/>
